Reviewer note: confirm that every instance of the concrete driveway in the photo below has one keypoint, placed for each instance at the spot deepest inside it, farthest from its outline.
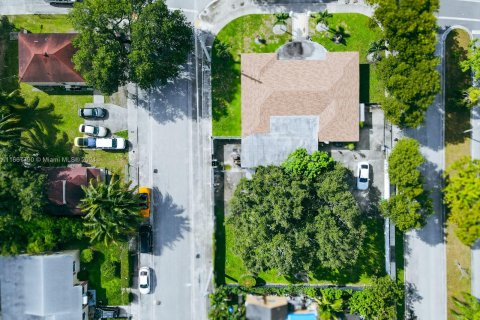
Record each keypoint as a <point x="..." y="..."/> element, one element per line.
<point x="370" y="149"/>
<point x="116" y="119"/>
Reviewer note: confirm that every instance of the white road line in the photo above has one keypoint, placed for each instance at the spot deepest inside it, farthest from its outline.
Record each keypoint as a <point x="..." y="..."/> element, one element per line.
<point x="475" y="31"/>
<point x="460" y="19"/>
<point x="469" y="0"/>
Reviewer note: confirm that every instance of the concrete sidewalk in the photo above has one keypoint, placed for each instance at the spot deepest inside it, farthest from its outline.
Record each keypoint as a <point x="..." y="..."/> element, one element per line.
<point x="219" y="13"/>
<point x="475" y="153"/>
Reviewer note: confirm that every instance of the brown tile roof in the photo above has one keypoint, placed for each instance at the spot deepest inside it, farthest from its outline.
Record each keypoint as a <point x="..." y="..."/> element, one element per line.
<point x="74" y="178"/>
<point x="326" y="88"/>
<point x="46" y="57"/>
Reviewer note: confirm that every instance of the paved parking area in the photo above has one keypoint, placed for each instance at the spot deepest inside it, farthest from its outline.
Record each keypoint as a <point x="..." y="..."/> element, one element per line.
<point x="369" y="148"/>
<point x="116" y="119"/>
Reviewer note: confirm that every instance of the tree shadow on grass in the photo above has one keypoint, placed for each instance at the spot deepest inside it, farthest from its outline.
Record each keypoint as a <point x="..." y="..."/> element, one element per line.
<point x="364" y="83"/>
<point x="225" y="79"/>
<point x="370" y="261"/>
<point x="9" y="65"/>
<point x="94" y="276"/>
<point x="220" y="245"/>
<point x="456" y="82"/>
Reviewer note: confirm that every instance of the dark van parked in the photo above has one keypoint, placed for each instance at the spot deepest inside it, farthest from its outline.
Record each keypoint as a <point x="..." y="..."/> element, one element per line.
<point x="146" y="241"/>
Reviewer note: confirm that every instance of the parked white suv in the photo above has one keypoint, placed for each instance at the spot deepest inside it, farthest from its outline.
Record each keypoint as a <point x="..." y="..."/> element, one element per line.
<point x="100" y="143"/>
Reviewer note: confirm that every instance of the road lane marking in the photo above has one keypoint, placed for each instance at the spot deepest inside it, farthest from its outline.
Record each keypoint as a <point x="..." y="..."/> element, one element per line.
<point x="461" y="19"/>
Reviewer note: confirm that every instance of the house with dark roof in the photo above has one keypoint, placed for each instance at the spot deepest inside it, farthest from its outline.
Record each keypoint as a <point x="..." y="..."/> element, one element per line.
<point x="42" y="287"/>
<point x="266" y="307"/>
<point x="45" y="59"/>
<point x="64" y="188"/>
<point x="297" y="97"/>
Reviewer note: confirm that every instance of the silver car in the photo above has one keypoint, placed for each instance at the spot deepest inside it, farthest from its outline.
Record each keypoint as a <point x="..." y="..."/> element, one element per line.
<point x="93" y="130"/>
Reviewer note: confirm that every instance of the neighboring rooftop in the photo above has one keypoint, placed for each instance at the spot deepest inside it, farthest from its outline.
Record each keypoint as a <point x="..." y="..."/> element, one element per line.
<point x="47" y="58"/>
<point x="266" y="307"/>
<point x="302" y="80"/>
<point x="64" y="188"/>
<point x="40" y="287"/>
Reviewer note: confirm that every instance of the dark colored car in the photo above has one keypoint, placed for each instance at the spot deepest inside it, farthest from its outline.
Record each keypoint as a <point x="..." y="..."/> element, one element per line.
<point x="106" y="312"/>
<point x="92" y="112"/>
<point x="146" y="239"/>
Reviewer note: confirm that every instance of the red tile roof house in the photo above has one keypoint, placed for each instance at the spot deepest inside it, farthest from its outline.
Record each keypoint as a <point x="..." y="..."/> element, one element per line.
<point x="45" y="59"/>
<point x="64" y="188"/>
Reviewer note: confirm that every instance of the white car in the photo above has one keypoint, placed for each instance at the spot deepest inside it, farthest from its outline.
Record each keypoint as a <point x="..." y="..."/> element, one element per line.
<point x="93" y="130"/>
<point x="100" y="143"/>
<point x="144" y="280"/>
<point x="363" y="172"/>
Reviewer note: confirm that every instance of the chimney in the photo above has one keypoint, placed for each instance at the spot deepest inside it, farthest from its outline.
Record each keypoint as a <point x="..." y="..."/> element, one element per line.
<point x="264" y="299"/>
<point x="45" y="54"/>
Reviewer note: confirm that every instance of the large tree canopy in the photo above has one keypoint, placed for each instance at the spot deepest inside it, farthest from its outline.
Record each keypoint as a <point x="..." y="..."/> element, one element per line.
<point x="411" y="206"/>
<point x="291" y="223"/>
<point x="409" y="74"/>
<point x="123" y="40"/>
<point x="462" y="195"/>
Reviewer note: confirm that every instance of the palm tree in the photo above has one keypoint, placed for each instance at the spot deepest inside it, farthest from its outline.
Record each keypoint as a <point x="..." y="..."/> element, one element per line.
<point x="374" y="52"/>
<point x="329" y="307"/>
<point x="112" y="210"/>
<point x="469" y="309"/>
<point x="281" y="18"/>
<point x="339" y="35"/>
<point x="321" y="19"/>
<point x="9" y="128"/>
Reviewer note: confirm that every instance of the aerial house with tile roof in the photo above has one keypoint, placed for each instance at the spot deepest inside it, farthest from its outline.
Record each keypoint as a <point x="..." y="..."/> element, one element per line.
<point x="297" y="97"/>
<point x="45" y="59"/>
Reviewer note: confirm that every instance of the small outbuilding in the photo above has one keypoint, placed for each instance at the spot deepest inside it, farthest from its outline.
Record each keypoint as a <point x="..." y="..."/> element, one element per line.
<point x="266" y="307"/>
<point x="45" y="59"/>
<point x="64" y="188"/>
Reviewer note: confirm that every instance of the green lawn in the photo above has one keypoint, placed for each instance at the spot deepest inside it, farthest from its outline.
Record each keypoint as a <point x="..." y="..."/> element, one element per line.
<point x="42" y="23"/>
<point x="238" y="37"/>
<point x="457" y="145"/>
<point x="65" y="103"/>
<point x="229" y="267"/>
<point x="108" y="284"/>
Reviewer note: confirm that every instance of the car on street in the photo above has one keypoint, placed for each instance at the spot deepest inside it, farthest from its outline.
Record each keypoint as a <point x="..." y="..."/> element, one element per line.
<point x="146" y="238"/>
<point x="92" y="113"/>
<point x="106" y="312"/>
<point x="100" y="143"/>
<point x="60" y="1"/>
<point x="93" y="130"/>
<point x="144" y="280"/>
<point x="363" y="172"/>
<point x="145" y="196"/>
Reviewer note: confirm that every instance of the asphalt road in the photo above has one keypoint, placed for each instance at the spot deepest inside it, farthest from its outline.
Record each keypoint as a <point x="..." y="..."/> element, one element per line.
<point x="173" y="154"/>
<point x="12" y="7"/>
<point x="460" y="12"/>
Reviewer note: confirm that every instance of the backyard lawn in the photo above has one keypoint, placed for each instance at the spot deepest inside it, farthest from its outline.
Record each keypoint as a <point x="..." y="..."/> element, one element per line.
<point x="65" y="103"/>
<point x="229" y="267"/>
<point x="239" y="37"/>
<point x="108" y="273"/>
<point x="457" y="145"/>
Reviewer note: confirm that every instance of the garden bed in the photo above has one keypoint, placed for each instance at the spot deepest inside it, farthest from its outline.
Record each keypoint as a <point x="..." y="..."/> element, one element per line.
<point x="109" y="273"/>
